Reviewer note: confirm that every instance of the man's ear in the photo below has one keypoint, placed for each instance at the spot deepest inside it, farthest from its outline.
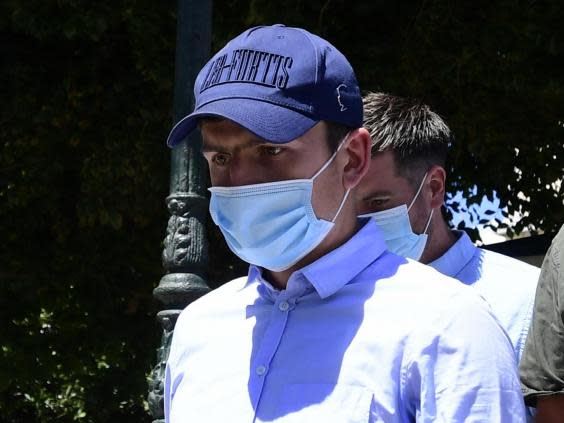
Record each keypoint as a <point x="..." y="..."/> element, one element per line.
<point x="357" y="158"/>
<point x="437" y="180"/>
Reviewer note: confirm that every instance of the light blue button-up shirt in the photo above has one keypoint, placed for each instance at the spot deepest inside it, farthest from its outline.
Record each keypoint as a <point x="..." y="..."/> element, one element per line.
<point x="360" y="335"/>
<point x="507" y="284"/>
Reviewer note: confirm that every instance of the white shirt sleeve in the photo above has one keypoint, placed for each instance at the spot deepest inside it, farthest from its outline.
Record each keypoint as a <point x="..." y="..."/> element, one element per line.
<point x="463" y="368"/>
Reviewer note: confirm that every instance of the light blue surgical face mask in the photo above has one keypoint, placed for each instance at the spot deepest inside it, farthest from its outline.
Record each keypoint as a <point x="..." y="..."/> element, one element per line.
<point x="396" y="228"/>
<point x="272" y="225"/>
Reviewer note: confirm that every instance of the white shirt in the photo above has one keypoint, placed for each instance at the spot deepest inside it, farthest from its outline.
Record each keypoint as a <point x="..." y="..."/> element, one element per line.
<point x="507" y="284"/>
<point x="360" y="335"/>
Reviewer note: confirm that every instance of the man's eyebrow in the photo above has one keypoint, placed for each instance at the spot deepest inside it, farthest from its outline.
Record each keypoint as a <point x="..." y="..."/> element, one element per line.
<point x="207" y="147"/>
<point x="377" y="194"/>
<point x="211" y="147"/>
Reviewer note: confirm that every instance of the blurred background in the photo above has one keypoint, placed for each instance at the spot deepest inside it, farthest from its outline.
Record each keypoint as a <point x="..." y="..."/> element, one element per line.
<point x="87" y="95"/>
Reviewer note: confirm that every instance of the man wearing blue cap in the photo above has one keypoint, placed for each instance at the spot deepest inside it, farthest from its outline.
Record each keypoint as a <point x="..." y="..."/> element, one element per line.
<point x="327" y="325"/>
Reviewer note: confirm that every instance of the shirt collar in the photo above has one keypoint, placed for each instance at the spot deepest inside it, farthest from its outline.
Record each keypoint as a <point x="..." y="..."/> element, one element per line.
<point x="296" y="287"/>
<point x="456" y="257"/>
<point x="337" y="268"/>
<point x="334" y="270"/>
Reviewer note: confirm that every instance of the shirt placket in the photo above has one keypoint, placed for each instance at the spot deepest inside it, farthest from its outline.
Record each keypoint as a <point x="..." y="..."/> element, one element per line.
<point x="261" y="364"/>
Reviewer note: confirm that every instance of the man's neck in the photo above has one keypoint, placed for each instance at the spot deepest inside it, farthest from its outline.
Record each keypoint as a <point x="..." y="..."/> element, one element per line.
<point x="441" y="238"/>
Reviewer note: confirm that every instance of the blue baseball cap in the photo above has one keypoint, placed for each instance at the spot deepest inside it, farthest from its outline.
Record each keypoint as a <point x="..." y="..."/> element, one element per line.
<point x="277" y="82"/>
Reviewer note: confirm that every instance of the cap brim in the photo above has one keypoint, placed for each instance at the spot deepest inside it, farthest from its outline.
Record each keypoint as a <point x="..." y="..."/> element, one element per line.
<point x="269" y="121"/>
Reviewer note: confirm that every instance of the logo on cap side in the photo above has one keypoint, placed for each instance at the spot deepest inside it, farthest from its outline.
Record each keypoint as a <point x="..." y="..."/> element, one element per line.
<point x="343" y="107"/>
<point x="249" y="66"/>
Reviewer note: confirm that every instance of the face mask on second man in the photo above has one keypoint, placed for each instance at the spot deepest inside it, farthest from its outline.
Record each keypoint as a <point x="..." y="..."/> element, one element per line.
<point x="396" y="228"/>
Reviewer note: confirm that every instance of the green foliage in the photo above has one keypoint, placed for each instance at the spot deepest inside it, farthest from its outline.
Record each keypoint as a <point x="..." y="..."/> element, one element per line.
<point x="87" y="96"/>
<point x="87" y="91"/>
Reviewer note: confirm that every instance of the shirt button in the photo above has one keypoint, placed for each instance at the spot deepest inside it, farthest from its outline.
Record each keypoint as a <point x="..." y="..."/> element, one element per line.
<point x="283" y="306"/>
<point x="261" y="370"/>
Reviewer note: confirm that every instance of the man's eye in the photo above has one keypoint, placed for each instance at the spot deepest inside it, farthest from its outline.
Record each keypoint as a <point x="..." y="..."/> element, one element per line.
<point x="272" y="150"/>
<point x="377" y="202"/>
<point x="220" y="159"/>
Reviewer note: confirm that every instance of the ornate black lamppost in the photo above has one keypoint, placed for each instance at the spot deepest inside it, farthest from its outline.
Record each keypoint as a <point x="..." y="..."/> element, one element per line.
<point x="185" y="253"/>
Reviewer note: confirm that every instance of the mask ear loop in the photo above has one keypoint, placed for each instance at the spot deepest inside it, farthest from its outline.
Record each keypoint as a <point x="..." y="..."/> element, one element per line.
<point x="349" y="190"/>
<point x="418" y="191"/>
<point x="415" y="198"/>
<point x="341" y="206"/>
<point x="429" y="221"/>
<point x="328" y="162"/>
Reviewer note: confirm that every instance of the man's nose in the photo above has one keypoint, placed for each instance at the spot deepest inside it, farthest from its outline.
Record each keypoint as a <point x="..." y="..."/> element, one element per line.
<point x="241" y="173"/>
